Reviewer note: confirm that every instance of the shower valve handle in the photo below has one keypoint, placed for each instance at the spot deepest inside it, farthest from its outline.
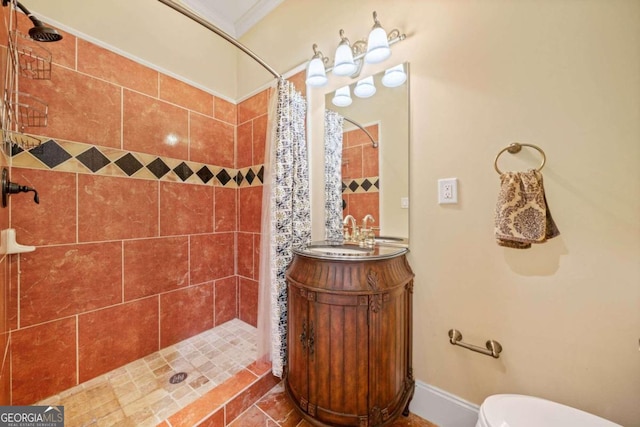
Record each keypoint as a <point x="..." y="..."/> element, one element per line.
<point x="17" y="188"/>
<point x="9" y="187"/>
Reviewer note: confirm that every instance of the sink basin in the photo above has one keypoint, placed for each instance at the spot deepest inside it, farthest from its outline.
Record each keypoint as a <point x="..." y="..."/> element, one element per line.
<point x="389" y="239"/>
<point x="344" y="251"/>
<point x="392" y="240"/>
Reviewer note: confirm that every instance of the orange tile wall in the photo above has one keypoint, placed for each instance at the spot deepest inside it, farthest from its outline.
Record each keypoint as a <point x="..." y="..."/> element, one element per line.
<point x="360" y="160"/>
<point x="5" y="372"/>
<point x="125" y="266"/>
<point x="252" y="132"/>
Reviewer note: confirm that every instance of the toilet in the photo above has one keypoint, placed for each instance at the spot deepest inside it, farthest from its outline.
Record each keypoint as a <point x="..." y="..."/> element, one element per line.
<point x="515" y="410"/>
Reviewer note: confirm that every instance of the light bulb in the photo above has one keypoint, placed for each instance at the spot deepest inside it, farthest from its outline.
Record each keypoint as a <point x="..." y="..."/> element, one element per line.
<point x="342" y="97"/>
<point x="316" y="74"/>
<point x="377" y="45"/>
<point x="344" y="65"/>
<point x="365" y="88"/>
<point x="394" y="76"/>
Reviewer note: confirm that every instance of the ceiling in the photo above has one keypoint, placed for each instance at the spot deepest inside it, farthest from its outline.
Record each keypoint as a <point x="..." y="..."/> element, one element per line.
<point x="234" y="17"/>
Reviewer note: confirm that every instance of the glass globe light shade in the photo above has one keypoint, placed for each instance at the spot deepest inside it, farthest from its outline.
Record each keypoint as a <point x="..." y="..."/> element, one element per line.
<point x="316" y="74"/>
<point x="377" y="46"/>
<point x="342" y="97"/>
<point x="365" y="88"/>
<point x="394" y="76"/>
<point x="344" y="65"/>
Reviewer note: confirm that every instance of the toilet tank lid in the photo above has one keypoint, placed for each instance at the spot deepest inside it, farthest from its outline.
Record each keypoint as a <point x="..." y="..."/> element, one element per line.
<point x="515" y="410"/>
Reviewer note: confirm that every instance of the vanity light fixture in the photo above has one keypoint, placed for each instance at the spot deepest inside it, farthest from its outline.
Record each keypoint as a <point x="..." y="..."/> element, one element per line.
<point x="365" y="88"/>
<point x="344" y="64"/>
<point x="394" y="76"/>
<point x="342" y="97"/>
<point x="350" y="57"/>
<point x="316" y="74"/>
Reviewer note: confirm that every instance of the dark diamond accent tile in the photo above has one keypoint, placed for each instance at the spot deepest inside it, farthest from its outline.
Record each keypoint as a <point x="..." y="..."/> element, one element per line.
<point x="261" y="174"/>
<point x="205" y="174"/>
<point x="50" y="153"/>
<point x="93" y="159"/>
<point x="250" y="176"/>
<point x="15" y="150"/>
<point x="377" y="184"/>
<point x="158" y="168"/>
<point x="223" y="176"/>
<point x="353" y="186"/>
<point x="366" y="184"/>
<point x="183" y="171"/>
<point x="129" y="164"/>
<point x="344" y="186"/>
<point x="239" y="178"/>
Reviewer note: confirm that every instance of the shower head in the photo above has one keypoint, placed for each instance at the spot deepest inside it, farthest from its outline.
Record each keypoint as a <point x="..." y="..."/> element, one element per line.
<point x="40" y="32"/>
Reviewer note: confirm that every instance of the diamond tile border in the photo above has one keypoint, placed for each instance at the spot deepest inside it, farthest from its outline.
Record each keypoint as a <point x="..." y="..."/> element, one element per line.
<point x="369" y="184"/>
<point x="75" y="157"/>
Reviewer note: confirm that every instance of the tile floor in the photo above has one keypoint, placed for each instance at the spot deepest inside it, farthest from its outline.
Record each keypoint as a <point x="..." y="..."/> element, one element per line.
<point x="141" y="394"/>
<point x="222" y="383"/>
<point x="275" y="410"/>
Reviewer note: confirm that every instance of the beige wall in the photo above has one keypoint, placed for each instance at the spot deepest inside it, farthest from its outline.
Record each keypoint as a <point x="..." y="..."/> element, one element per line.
<point x="149" y="31"/>
<point x="564" y="75"/>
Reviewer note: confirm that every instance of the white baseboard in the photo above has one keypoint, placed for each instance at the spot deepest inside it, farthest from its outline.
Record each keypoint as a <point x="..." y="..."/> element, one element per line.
<point x="442" y="408"/>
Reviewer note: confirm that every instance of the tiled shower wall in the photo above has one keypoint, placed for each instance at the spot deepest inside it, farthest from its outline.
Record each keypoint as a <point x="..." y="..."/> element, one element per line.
<point x="360" y="174"/>
<point x="251" y="137"/>
<point x="143" y="202"/>
<point x="5" y="370"/>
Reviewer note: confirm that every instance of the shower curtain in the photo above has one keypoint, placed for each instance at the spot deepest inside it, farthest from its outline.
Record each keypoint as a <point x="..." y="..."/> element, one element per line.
<point x="286" y="217"/>
<point x="333" y="175"/>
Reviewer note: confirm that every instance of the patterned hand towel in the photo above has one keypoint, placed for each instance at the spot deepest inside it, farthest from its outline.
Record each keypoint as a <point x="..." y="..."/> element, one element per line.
<point x="522" y="213"/>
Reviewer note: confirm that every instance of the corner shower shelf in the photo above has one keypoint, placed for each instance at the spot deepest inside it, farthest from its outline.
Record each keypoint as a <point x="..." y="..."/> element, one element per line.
<point x="26" y="110"/>
<point x="32" y="59"/>
<point x="21" y="140"/>
<point x="9" y="246"/>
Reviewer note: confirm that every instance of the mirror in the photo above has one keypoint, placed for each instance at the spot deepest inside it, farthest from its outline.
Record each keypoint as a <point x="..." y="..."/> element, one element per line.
<point x="385" y="115"/>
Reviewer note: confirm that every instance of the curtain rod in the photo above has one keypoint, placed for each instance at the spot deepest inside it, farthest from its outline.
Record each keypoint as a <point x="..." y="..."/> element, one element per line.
<point x="375" y="144"/>
<point x="196" y="18"/>
<point x="189" y="14"/>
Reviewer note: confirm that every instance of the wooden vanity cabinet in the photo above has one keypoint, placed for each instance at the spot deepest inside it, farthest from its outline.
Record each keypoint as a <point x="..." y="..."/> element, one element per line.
<point x="349" y="340"/>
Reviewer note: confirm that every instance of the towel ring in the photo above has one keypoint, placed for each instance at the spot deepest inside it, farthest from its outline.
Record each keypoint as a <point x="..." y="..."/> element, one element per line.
<point x="514" y="148"/>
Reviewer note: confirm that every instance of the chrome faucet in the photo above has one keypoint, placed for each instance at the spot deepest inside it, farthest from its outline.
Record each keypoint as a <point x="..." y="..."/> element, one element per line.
<point x="354" y="228"/>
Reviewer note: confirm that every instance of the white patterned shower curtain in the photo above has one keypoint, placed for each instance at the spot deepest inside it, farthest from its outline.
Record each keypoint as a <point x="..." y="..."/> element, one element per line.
<point x="333" y="175"/>
<point x="286" y="217"/>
